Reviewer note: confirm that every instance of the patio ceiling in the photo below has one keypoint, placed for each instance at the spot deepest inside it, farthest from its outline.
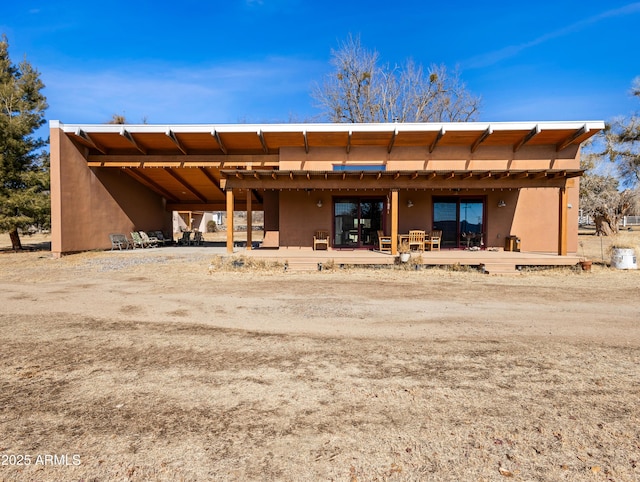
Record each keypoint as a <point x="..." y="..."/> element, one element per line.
<point x="183" y="163"/>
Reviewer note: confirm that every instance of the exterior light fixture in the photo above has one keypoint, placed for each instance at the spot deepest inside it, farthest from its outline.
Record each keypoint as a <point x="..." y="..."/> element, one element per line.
<point x="501" y="203"/>
<point x="409" y="203"/>
<point x="319" y="203"/>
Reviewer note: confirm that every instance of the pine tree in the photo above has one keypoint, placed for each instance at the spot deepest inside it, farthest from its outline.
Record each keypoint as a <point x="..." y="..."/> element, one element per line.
<point x="24" y="167"/>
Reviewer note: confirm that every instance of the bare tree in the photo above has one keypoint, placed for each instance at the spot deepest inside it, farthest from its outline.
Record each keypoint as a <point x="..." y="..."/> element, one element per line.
<point x="600" y="193"/>
<point x="623" y="143"/>
<point x="118" y="119"/>
<point x="359" y="90"/>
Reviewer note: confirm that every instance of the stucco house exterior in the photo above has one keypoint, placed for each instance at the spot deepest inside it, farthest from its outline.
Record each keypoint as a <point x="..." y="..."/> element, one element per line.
<point x="482" y="180"/>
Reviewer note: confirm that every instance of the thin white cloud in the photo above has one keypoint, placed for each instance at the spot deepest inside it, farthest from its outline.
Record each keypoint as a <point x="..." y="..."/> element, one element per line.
<point x="163" y="94"/>
<point x="491" y="58"/>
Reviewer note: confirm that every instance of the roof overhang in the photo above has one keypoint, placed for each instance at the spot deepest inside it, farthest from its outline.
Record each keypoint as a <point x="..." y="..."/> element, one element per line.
<point x="193" y="165"/>
<point x="265" y="139"/>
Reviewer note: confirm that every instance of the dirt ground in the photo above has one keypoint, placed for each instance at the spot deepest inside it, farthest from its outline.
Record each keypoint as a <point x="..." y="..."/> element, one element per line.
<point x="147" y="366"/>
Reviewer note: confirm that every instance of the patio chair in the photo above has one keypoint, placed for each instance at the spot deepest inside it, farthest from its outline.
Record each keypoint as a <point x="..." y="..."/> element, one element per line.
<point x="321" y="238"/>
<point x="148" y="241"/>
<point x="198" y="240"/>
<point x="137" y="241"/>
<point x="384" y="242"/>
<point x="185" y="240"/>
<point x="434" y="240"/>
<point x="159" y="236"/>
<point x="416" y="239"/>
<point x="119" y="241"/>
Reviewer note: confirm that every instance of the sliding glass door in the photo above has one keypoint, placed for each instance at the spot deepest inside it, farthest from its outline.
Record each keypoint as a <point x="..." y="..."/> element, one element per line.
<point x="356" y="222"/>
<point x="461" y="220"/>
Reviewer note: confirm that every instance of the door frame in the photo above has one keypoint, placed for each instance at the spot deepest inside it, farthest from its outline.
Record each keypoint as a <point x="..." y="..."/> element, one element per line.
<point x="359" y="199"/>
<point x="459" y="199"/>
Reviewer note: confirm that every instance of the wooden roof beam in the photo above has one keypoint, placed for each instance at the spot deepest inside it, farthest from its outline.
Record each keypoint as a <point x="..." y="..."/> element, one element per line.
<point x="306" y="141"/>
<point x="392" y="141"/>
<point x="532" y="133"/>
<point x="571" y="139"/>
<point x="138" y="176"/>
<point x="483" y="137"/>
<point x="211" y="179"/>
<point x="349" y="141"/>
<point x="216" y="134"/>
<point x="87" y="138"/>
<point x="171" y="135"/>
<point x="440" y="135"/>
<point x="263" y="142"/>
<point x="127" y="135"/>
<point x="185" y="184"/>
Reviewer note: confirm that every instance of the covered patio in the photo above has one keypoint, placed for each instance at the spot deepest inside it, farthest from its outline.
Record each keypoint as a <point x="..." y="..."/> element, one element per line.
<point x="488" y="181"/>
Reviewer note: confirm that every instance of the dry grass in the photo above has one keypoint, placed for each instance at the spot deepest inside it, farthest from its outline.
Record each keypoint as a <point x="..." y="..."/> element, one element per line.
<point x="161" y="370"/>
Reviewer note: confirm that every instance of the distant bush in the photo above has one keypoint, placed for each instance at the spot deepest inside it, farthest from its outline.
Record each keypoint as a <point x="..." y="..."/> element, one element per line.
<point x="212" y="227"/>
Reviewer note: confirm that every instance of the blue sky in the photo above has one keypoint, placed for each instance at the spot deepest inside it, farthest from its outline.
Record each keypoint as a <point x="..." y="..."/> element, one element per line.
<point x="228" y="61"/>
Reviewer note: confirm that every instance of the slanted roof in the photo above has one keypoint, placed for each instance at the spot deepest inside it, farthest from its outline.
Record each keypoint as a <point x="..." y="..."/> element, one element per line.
<point x="183" y="163"/>
<point x="265" y="139"/>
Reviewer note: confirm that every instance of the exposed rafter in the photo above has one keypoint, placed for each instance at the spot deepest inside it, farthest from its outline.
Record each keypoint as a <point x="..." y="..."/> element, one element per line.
<point x="127" y="135"/>
<point x="532" y="133"/>
<point x="569" y="140"/>
<point x="439" y="136"/>
<point x="483" y="137"/>
<point x="87" y="138"/>
<point x="263" y="142"/>
<point x="306" y="141"/>
<point x="216" y="134"/>
<point x="171" y="135"/>
<point x="257" y="195"/>
<point x="349" y="141"/>
<point x="185" y="184"/>
<point x="392" y="141"/>
<point x="211" y="179"/>
<point x="151" y="183"/>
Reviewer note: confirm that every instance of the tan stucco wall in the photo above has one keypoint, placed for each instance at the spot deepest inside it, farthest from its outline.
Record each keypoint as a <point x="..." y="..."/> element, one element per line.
<point x="90" y="203"/>
<point x="454" y="158"/>
<point x="536" y="219"/>
<point x="530" y="214"/>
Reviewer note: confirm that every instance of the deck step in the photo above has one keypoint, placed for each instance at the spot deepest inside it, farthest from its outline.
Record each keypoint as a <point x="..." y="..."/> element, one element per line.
<point x="499" y="268"/>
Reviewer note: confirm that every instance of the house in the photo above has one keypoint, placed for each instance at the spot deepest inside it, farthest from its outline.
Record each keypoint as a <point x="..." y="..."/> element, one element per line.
<point x="478" y="182"/>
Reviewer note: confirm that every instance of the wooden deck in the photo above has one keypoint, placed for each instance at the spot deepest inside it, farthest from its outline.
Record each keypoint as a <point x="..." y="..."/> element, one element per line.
<point x="491" y="262"/>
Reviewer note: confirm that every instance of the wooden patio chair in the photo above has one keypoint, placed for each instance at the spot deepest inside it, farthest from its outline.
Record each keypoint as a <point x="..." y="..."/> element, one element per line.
<point x="416" y="239"/>
<point x="384" y="242"/>
<point x="185" y="240"/>
<point x="198" y="240"/>
<point x="321" y="238"/>
<point x="434" y="240"/>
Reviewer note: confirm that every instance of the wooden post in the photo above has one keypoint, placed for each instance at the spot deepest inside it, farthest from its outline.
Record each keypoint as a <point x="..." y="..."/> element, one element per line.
<point x="230" y="221"/>
<point x="249" y="220"/>
<point x="562" y="222"/>
<point x="394" y="222"/>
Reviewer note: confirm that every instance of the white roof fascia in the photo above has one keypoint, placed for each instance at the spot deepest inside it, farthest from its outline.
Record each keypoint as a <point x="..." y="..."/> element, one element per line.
<point x="326" y="127"/>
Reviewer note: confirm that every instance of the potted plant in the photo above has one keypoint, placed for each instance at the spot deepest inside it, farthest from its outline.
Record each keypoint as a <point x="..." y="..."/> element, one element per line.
<point x="404" y="251"/>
